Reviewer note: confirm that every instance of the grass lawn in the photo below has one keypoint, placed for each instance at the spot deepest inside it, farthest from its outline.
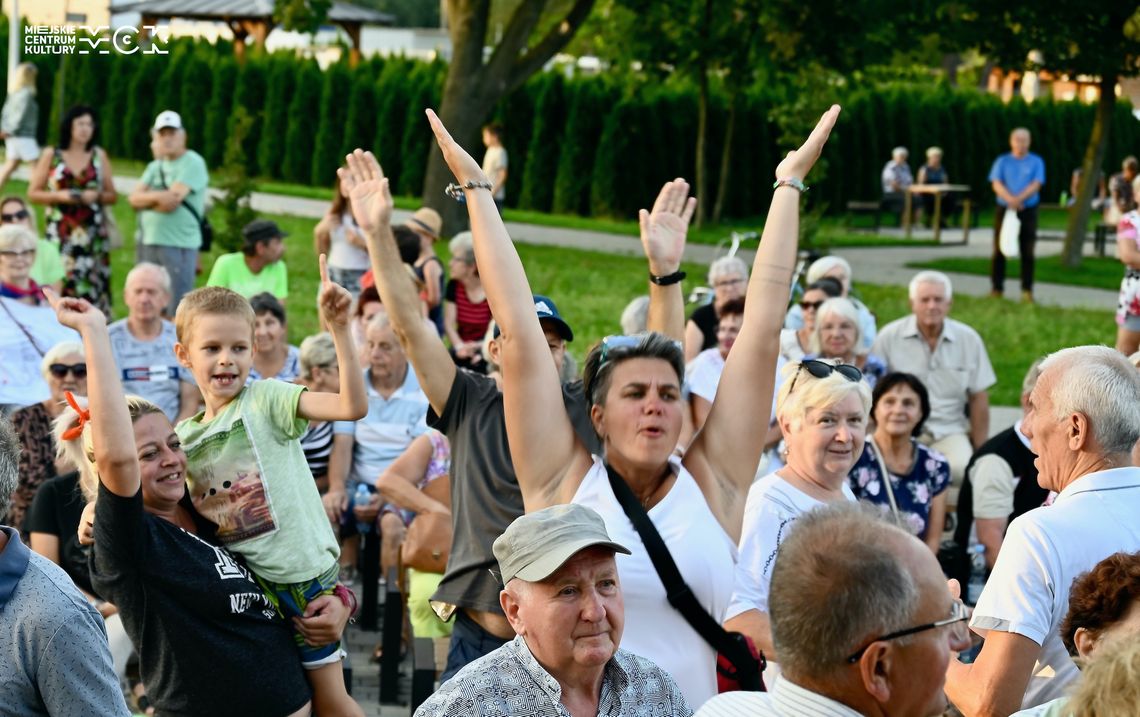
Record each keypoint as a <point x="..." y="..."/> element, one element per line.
<point x="592" y="288"/>
<point x="1095" y="272"/>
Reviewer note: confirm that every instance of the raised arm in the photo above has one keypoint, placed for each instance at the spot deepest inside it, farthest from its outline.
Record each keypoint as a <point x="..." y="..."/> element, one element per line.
<point x="351" y="403"/>
<point x="724" y="454"/>
<point x="663" y="237"/>
<point x="398" y="483"/>
<point x="115" y="458"/>
<point x="544" y="448"/>
<point x="363" y="181"/>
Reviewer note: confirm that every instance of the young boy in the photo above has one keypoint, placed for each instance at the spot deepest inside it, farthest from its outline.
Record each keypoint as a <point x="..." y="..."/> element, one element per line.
<point x="247" y="472"/>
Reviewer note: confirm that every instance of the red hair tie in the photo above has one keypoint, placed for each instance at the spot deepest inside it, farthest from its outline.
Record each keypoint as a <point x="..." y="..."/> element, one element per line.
<point x="84" y="417"/>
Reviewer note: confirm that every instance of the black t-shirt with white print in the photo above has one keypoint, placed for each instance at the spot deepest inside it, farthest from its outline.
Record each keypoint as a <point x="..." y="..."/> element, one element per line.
<point x="209" y="641"/>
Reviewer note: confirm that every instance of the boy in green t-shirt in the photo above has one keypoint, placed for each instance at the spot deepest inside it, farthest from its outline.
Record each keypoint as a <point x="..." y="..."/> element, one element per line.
<point x="246" y="469"/>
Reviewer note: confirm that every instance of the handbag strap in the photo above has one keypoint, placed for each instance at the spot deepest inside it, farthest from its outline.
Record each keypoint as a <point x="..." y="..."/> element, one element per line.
<point x="679" y="594"/>
<point x="185" y="202"/>
<point x="23" y="328"/>
<point x="886" y="477"/>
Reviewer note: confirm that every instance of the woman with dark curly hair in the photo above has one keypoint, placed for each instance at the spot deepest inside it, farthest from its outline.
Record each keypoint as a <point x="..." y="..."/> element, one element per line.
<point x="1104" y="609"/>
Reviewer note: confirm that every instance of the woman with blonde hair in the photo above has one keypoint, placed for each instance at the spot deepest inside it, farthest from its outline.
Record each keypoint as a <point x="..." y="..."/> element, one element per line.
<point x="836" y="334"/>
<point x="18" y="121"/>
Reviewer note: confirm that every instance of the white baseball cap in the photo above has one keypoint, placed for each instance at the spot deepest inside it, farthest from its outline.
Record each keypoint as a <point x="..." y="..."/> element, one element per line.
<point x="168" y="118"/>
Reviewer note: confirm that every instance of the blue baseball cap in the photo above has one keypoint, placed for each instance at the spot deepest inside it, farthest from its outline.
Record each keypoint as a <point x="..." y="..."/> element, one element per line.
<point x="547" y="311"/>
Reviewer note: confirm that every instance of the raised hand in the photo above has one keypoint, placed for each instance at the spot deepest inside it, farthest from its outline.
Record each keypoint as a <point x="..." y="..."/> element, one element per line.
<point x="74" y="313"/>
<point x="664" y="229"/>
<point x="462" y="164"/>
<point x="799" y="162"/>
<point x="364" y="183"/>
<point x="334" y="300"/>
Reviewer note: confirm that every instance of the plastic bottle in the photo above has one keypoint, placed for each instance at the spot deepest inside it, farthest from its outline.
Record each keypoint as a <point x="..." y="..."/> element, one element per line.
<point x="361" y="498"/>
<point x="977" y="573"/>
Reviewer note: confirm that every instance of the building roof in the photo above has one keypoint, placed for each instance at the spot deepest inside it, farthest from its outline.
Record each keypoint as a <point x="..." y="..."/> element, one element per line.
<point x="245" y="9"/>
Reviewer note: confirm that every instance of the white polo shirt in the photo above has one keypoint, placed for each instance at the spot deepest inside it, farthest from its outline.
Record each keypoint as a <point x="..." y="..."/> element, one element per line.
<point x="957" y="367"/>
<point x="389" y="428"/>
<point x="1043" y="551"/>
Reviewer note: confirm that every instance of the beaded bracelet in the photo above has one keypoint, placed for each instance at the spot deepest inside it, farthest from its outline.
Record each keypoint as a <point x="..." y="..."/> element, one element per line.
<point x="455" y="191"/>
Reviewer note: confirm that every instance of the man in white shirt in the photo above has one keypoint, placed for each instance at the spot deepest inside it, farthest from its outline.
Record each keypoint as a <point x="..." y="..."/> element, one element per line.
<point x="950" y="358"/>
<point x="861" y="621"/>
<point x="1083" y="419"/>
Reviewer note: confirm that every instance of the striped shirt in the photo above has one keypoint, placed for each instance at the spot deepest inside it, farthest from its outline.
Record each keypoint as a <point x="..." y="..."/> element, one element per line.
<point x="471" y="319"/>
<point x="786" y="699"/>
<point x="317" y="442"/>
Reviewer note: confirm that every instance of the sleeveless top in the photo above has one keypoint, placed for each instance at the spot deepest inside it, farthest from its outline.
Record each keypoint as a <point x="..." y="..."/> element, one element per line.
<point x="704" y="554"/>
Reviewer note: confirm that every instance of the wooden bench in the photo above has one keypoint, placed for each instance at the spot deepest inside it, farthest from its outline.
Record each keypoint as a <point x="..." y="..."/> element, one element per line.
<point x="864" y="208"/>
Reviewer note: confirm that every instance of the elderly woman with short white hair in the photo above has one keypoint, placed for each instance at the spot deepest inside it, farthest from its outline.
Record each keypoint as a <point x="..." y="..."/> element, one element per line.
<point x="319" y="373"/>
<point x="17" y="254"/>
<point x="728" y="277"/>
<point x="822" y="410"/>
<point x="65" y="369"/>
<point x="836" y="335"/>
<point x="838" y="268"/>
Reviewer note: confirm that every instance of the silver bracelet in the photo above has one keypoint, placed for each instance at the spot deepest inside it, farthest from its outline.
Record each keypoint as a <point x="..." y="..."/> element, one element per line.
<point x="455" y="191"/>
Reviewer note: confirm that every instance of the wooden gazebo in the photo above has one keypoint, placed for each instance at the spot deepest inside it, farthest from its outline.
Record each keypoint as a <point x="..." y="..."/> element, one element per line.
<point x="252" y="20"/>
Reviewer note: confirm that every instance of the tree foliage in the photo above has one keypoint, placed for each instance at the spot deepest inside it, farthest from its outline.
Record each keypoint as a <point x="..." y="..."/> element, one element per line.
<point x="301" y="15"/>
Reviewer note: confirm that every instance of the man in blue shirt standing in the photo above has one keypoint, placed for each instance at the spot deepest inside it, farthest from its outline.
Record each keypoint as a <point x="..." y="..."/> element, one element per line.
<point x="1017" y="178"/>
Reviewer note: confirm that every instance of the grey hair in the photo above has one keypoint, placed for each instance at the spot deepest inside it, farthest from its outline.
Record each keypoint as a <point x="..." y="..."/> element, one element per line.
<point x="1031" y="377"/>
<point x="635" y="316"/>
<point x="900" y="150"/>
<point x="57" y="352"/>
<point x="316" y="351"/>
<point x="841" y="307"/>
<point x="727" y="266"/>
<point x="379" y="320"/>
<point x="930" y="277"/>
<point x="837" y="583"/>
<point x="9" y="462"/>
<point x="824" y="264"/>
<point x="157" y="269"/>
<point x="15" y="235"/>
<point x="596" y="375"/>
<point x="1099" y="383"/>
<point x="462" y="245"/>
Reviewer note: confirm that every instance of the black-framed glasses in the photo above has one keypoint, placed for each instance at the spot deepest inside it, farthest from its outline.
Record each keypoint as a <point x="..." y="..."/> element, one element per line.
<point x="59" y="370"/>
<point x="19" y="216"/>
<point x="823" y="369"/>
<point x="958" y="613"/>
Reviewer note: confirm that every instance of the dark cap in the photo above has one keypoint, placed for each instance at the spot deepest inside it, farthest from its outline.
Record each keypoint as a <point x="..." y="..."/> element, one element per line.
<point x="261" y="230"/>
<point x="548" y="312"/>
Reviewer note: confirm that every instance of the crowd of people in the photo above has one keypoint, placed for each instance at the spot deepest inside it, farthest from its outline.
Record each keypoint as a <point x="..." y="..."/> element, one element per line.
<point x="783" y="488"/>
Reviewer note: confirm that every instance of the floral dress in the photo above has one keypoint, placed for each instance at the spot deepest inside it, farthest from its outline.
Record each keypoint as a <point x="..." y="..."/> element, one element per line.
<point x="1128" y="304"/>
<point x="81" y="233"/>
<point x="929" y="476"/>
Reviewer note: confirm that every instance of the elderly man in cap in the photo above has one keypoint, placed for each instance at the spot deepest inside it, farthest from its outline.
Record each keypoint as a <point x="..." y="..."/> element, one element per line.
<point x="1082" y="421"/>
<point x="562" y="598"/>
<point x="172" y="198"/>
<point x="258" y="267"/>
<point x="861" y="620"/>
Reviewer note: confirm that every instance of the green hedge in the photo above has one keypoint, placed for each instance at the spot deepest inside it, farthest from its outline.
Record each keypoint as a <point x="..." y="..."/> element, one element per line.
<point x="598" y="145"/>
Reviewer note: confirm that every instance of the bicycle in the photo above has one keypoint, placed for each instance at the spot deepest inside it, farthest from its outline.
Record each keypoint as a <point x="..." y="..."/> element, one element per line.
<point x="702" y="295"/>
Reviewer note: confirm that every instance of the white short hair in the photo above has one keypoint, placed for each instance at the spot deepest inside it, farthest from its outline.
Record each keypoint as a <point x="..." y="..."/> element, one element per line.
<point x="1101" y="384"/>
<point x="57" y="352"/>
<point x="635" y="316"/>
<point x="897" y="151"/>
<point x="157" y="269"/>
<point x="825" y="264"/>
<point x="839" y="306"/>
<point x="462" y="246"/>
<point x="727" y="266"/>
<point x="15" y="237"/>
<point x="811" y="392"/>
<point x="930" y="277"/>
<point x="317" y="350"/>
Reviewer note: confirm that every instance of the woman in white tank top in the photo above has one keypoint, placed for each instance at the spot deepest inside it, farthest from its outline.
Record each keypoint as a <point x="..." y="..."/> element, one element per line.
<point x="633" y="389"/>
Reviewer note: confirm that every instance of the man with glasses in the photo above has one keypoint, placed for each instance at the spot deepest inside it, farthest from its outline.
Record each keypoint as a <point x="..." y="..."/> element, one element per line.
<point x="47" y="269"/>
<point x="861" y="619"/>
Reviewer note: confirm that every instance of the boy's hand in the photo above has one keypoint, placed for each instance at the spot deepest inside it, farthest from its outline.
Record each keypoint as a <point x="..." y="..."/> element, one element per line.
<point x="73" y="313"/>
<point x="335" y="301"/>
<point x="364" y="183"/>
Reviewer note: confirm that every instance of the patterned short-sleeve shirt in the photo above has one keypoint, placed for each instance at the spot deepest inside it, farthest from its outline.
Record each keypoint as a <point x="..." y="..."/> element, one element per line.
<point x="510" y="681"/>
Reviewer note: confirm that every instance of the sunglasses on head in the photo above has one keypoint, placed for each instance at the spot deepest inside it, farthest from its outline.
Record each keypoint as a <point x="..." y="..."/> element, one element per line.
<point x="822" y="369"/>
<point x="18" y="216"/>
<point x="59" y="370"/>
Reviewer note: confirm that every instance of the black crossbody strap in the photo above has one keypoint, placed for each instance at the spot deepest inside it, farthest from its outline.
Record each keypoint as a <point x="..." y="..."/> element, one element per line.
<point x="185" y="202"/>
<point x="679" y="594"/>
